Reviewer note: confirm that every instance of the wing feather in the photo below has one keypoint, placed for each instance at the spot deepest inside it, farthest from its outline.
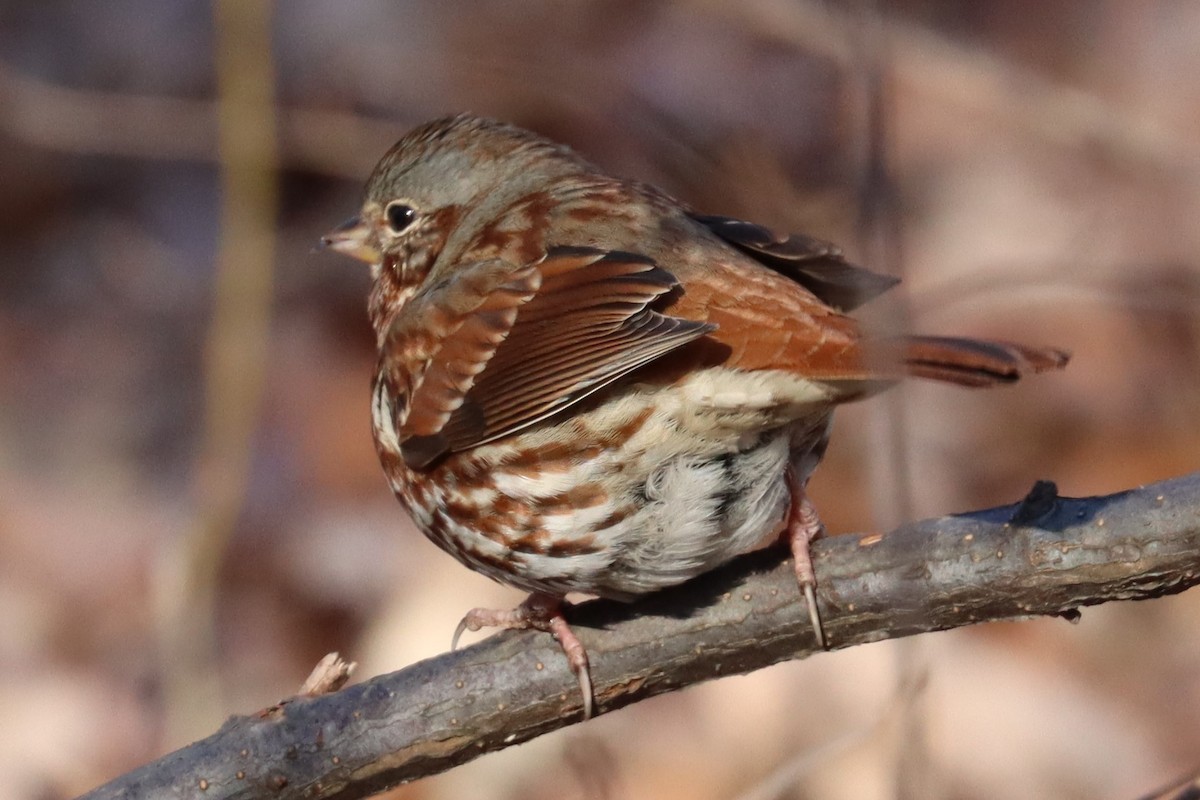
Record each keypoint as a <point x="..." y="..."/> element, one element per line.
<point x="816" y="265"/>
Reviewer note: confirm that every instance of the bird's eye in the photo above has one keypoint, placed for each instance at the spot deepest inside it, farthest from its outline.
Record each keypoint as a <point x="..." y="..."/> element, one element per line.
<point x="400" y="216"/>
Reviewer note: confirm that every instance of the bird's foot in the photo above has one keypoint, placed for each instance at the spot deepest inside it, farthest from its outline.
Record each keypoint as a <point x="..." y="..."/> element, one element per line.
<point x="541" y="612"/>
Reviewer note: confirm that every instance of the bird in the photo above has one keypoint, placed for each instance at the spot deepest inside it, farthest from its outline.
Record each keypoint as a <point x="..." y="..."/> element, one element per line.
<point x="585" y="385"/>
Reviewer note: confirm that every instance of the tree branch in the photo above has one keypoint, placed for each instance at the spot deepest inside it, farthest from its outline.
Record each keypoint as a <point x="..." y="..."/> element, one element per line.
<point x="1045" y="556"/>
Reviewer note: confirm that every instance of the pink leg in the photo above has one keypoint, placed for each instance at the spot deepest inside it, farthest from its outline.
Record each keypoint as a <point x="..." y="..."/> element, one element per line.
<point x="803" y="525"/>
<point x="541" y="612"/>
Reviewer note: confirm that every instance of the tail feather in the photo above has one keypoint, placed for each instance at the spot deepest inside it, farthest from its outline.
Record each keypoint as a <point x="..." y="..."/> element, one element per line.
<point x="976" y="362"/>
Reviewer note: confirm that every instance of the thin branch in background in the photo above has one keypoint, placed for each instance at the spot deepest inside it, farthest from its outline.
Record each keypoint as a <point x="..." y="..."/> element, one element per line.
<point x="782" y="782"/>
<point x="236" y="356"/>
<point x="935" y="68"/>
<point x="1048" y="555"/>
<point x="891" y="478"/>
<point x="84" y="121"/>
<point x="941" y="71"/>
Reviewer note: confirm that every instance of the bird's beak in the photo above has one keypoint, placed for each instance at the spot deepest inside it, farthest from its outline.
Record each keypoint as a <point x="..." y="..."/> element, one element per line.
<point x="353" y="238"/>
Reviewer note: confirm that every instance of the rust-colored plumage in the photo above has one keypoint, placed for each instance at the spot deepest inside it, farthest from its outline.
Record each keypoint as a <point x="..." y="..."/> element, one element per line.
<point x="583" y="385"/>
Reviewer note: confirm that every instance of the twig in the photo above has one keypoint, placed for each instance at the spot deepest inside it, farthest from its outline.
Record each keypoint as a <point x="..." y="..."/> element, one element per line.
<point x="330" y="674"/>
<point x="942" y="573"/>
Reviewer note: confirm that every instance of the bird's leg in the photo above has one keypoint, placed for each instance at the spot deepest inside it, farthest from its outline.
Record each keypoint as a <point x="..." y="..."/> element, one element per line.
<point x="542" y="612"/>
<point x="803" y="525"/>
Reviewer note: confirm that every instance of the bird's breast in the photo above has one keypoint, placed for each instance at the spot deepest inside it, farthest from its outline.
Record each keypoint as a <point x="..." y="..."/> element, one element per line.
<point x="644" y="489"/>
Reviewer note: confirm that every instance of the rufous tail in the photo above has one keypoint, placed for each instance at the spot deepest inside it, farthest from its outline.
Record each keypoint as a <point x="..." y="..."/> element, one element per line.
<point x="976" y="362"/>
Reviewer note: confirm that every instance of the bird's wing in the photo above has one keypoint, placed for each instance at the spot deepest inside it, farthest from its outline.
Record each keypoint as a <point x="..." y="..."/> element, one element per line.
<point x="491" y="352"/>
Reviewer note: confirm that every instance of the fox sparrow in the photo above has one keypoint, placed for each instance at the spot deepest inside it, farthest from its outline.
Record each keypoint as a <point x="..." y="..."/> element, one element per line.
<point x="584" y="385"/>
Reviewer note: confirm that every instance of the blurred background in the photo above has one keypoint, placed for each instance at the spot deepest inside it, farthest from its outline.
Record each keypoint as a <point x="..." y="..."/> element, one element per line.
<point x="191" y="512"/>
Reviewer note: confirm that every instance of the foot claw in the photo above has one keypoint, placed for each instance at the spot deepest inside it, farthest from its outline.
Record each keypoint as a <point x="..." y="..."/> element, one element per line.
<point x="814" y="615"/>
<point x="585" y="687"/>
<point x="458" y="632"/>
<point x="479" y="618"/>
